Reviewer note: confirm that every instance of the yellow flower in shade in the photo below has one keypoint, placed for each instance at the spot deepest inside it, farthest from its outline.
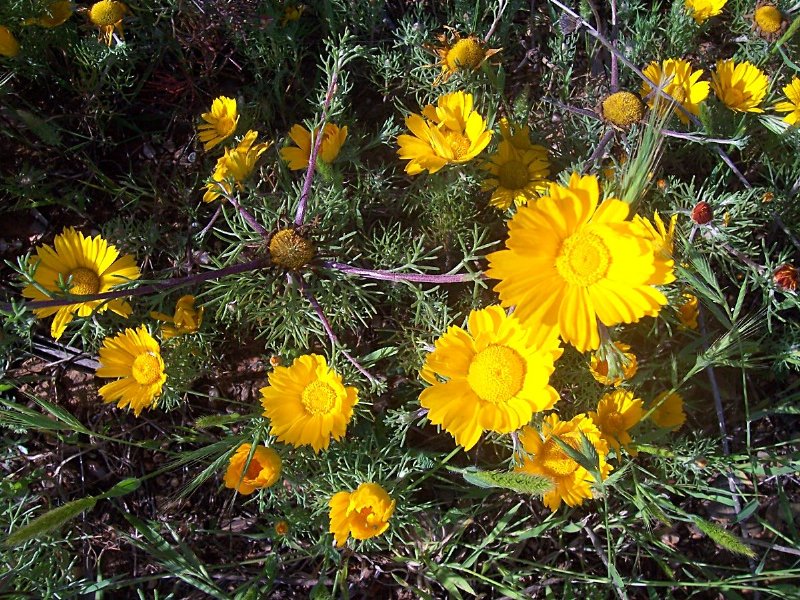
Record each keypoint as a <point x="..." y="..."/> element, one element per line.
<point x="702" y="10"/>
<point x="56" y="14"/>
<point x="237" y="164"/>
<point x="220" y="122"/>
<point x="292" y="12"/>
<point x="676" y="79"/>
<point x="361" y="514"/>
<point x="86" y="266"/>
<point x="9" y="46"/>
<point x="187" y="318"/>
<point x="297" y="156"/>
<point x="461" y="54"/>
<point x="263" y="470"/>
<point x="492" y="377"/>
<point x="448" y="133"/>
<point x="572" y="481"/>
<point x="617" y="412"/>
<point x="669" y="414"/>
<point x="517" y="175"/>
<point x="622" y="109"/>
<point x="741" y="87"/>
<point x="281" y="528"/>
<point x="768" y="21"/>
<point x="307" y="403"/>
<point x="661" y="236"/>
<point x="135" y="357"/>
<point x="792" y="106"/>
<point x="107" y="15"/>
<point x="689" y="310"/>
<point x="599" y="367"/>
<point x="516" y="135"/>
<point x="570" y="262"/>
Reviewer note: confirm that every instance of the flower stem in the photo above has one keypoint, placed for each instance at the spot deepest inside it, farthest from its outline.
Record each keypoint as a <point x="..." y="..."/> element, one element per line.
<point x="400" y="277"/>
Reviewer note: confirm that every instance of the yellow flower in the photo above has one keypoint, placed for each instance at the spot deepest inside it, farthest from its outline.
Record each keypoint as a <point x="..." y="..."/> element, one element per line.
<point x="569" y="262"/>
<point x="307" y="403"/>
<point x="518" y="175"/>
<point x="688" y="311"/>
<point x="669" y="414"/>
<point x="622" y="109"/>
<point x="298" y="156"/>
<point x="617" y="412"/>
<point x="792" y="91"/>
<point x="86" y="266"/>
<point x="492" y="377"/>
<point x="220" y="122"/>
<point x="107" y="15"/>
<point x="702" y="10"/>
<point x="281" y="528"/>
<point x="448" y="133"/>
<point x="768" y="21"/>
<point x="461" y="54"/>
<point x="572" y="481"/>
<point x="662" y="238"/>
<point x="135" y="357"/>
<point x="263" y="470"/>
<point x="291" y="12"/>
<point x="516" y="135"/>
<point x="9" y="46"/>
<point x="361" y="514"/>
<point x="238" y="164"/>
<point x="676" y="79"/>
<point x="187" y="318"/>
<point x="599" y="367"/>
<point x="741" y="87"/>
<point x="56" y="14"/>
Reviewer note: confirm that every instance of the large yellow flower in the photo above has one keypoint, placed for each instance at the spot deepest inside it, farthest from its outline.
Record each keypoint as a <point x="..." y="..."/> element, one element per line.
<point x="237" y="164"/>
<point x="492" y="377"/>
<point x="676" y="79"/>
<point x="107" y="15"/>
<point x="702" y="10"/>
<point x="57" y="13"/>
<point x="669" y="411"/>
<point x="792" y="91"/>
<point x="741" y="87"/>
<point x="662" y="237"/>
<point x="570" y="262"/>
<point x="135" y="357"/>
<point x="263" y="470"/>
<point x="517" y="175"/>
<point x="297" y="157"/>
<point x="361" y="514"/>
<point x="572" y="481"/>
<point x="448" y="133"/>
<point x="307" y="403"/>
<point x="86" y="266"/>
<point x="9" y="46"/>
<point x="617" y="412"/>
<point x="461" y="54"/>
<point x="220" y="122"/>
<point x="629" y="365"/>
<point x="187" y="318"/>
<point x="516" y="134"/>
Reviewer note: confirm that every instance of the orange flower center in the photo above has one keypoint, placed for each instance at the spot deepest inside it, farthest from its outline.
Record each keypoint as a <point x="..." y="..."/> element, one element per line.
<point x="84" y="282"/>
<point x="768" y="18"/>
<point x="253" y="469"/>
<point x="147" y="368"/>
<point x="465" y="54"/>
<point x="555" y="461"/>
<point x="318" y="398"/>
<point x="459" y="144"/>
<point x="513" y="175"/>
<point x="496" y="374"/>
<point x="613" y="422"/>
<point x="584" y="259"/>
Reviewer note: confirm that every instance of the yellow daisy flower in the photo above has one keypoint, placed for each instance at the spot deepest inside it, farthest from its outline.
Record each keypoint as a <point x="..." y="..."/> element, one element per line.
<point x="622" y="109"/>
<point x="689" y="310"/>
<point x="56" y="14"/>
<point x="669" y="414"/>
<point x="662" y="237"/>
<point x="238" y="164"/>
<point x="263" y="470"/>
<point x="702" y="10"/>
<point x="570" y="262"/>
<point x="9" y="46"/>
<point x="599" y="367"/>
<point x="297" y="156"/>
<point x="516" y="135"/>
<point x="461" y="54"/>
<point x="292" y="12"/>
<point x="307" y="403"/>
<point x="676" y="79"/>
<point x="220" y="122"/>
<point x="768" y="21"/>
<point x="86" y="266"/>
<point x="572" y="481"/>
<point x="135" y="357"/>
<point x="492" y="377"/>
<point x="741" y="87"/>
<point x="448" y="133"/>
<point x="107" y="15"/>
<point x="792" y="91"/>
<point x="617" y="412"/>
<point x="187" y="318"/>
<point x="517" y="175"/>
<point x="361" y="514"/>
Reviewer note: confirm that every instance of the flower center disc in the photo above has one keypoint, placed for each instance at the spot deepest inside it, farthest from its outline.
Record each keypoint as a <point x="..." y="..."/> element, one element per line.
<point x="513" y="175"/>
<point x="614" y="423"/>
<point x="318" y="398"/>
<point x="584" y="259"/>
<point x="465" y="54"/>
<point x="253" y="469"/>
<point x="106" y="12"/>
<point x="147" y="368"/>
<point x="84" y="282"/>
<point x="555" y="461"/>
<point x="496" y="374"/>
<point x="459" y="144"/>
<point x="769" y="19"/>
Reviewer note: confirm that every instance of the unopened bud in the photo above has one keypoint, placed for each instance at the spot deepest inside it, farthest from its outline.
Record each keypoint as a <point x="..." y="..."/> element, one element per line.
<point x="785" y="277"/>
<point x="702" y="213"/>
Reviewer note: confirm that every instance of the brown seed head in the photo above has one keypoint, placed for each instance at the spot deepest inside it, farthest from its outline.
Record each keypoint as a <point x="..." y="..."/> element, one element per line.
<point x="785" y="277"/>
<point x="622" y="109"/>
<point x="702" y="213"/>
<point x="290" y="250"/>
